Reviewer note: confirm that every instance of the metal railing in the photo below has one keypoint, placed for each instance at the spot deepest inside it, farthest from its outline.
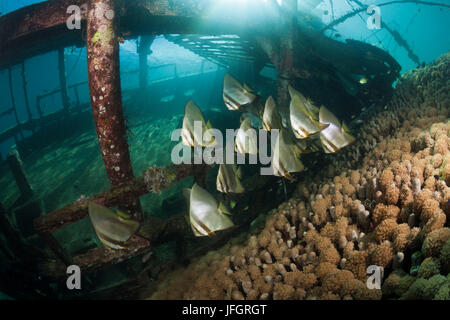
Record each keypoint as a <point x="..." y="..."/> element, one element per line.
<point x="74" y="86"/>
<point x="78" y="105"/>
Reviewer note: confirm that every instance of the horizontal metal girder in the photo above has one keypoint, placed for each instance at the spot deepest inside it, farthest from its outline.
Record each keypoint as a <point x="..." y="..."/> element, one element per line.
<point x="42" y="27"/>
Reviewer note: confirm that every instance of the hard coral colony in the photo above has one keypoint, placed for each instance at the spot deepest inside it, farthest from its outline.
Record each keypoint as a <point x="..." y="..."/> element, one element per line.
<point x="383" y="201"/>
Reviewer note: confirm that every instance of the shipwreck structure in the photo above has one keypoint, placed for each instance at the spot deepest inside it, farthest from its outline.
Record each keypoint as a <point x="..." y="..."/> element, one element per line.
<point x="301" y="55"/>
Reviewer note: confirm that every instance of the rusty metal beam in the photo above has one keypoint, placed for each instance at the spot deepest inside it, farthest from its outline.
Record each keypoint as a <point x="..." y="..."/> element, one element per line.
<point x="106" y="95"/>
<point x="105" y="90"/>
<point x="153" y="180"/>
<point x="36" y="29"/>
<point x="41" y="27"/>
<point x="34" y="18"/>
<point x="154" y="231"/>
<point x="286" y="51"/>
<point x="101" y="257"/>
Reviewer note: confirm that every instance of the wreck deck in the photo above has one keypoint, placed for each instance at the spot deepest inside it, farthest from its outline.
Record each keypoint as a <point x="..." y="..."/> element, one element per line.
<point x="42" y="27"/>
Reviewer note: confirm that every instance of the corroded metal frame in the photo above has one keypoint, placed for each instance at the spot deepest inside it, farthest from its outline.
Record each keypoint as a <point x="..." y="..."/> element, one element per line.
<point x="41" y="28"/>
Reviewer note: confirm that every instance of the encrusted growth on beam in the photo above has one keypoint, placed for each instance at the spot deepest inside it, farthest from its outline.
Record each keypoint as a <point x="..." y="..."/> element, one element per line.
<point x="35" y="30"/>
<point x="31" y="19"/>
<point x="100" y="257"/>
<point x="42" y="27"/>
<point x="105" y="90"/>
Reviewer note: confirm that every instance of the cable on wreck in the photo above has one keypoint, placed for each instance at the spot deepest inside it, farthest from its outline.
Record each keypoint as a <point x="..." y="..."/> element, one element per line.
<point x="397" y="37"/>
<point x="362" y="19"/>
<point x="354" y="13"/>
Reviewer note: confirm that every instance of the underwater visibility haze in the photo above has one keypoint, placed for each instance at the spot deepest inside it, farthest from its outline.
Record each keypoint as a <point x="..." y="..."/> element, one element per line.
<point x="225" y="149"/>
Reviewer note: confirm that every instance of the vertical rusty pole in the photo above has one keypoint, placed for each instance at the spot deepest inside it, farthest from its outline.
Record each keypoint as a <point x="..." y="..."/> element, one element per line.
<point x="286" y="54"/>
<point x="280" y="50"/>
<point x="106" y="96"/>
<point x="63" y="79"/>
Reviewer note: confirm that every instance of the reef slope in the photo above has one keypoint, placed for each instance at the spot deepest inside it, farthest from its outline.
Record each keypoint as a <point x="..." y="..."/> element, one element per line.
<point x="384" y="201"/>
